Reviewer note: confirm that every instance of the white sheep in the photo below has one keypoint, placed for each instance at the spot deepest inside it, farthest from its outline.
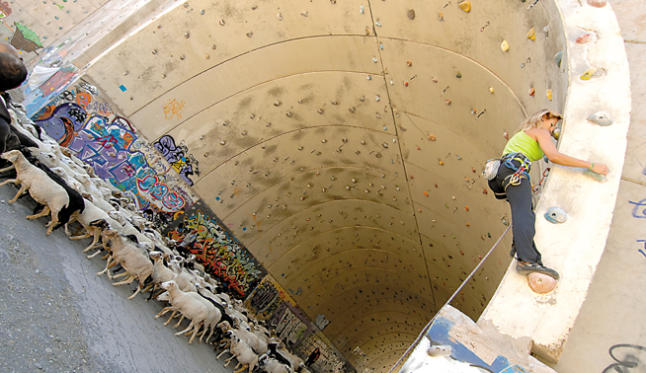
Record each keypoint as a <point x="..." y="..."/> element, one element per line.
<point x="41" y="188"/>
<point x="191" y="305"/>
<point x="94" y="220"/>
<point x="271" y="365"/>
<point x="243" y="353"/>
<point x="134" y="261"/>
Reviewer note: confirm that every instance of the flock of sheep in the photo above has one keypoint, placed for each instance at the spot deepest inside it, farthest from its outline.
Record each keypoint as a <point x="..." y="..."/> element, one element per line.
<point x="67" y="190"/>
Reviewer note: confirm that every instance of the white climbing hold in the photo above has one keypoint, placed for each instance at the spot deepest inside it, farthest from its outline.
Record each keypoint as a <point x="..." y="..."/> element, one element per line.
<point x="556" y="215"/>
<point x="601" y="118"/>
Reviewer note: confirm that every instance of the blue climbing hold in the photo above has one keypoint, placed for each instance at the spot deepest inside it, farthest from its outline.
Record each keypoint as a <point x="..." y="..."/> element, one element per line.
<point x="556" y="215"/>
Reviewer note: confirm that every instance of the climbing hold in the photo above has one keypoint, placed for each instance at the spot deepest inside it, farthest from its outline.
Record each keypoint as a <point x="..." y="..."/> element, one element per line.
<point x="466" y="208"/>
<point x="277" y="103"/>
<point x="426" y="194"/>
<point x="591" y="73"/>
<point x="378" y="24"/>
<point x="405" y="83"/>
<point x="584" y="38"/>
<point x="374" y="59"/>
<point x="441" y="163"/>
<point x="601" y="118"/>
<point x="597" y="3"/>
<point x="222" y="22"/>
<point x="548" y="94"/>
<point x="409" y="63"/>
<point x="540" y="283"/>
<point x="432" y="137"/>
<point x="531" y="35"/>
<point x="558" y="58"/>
<point x="556" y="215"/>
<point x="491" y="90"/>
<point x="223" y="142"/>
<point x="377" y="98"/>
<point x="362" y="9"/>
<point x="532" y="92"/>
<point x="447" y="102"/>
<point x="465" y="5"/>
<point x="458" y="75"/>
<point x="504" y="46"/>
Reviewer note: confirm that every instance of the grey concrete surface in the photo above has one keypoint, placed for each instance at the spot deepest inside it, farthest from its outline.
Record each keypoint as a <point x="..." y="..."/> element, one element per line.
<point x="56" y="315"/>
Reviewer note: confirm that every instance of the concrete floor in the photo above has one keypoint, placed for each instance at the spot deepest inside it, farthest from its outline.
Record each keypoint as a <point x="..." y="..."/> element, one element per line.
<point x="614" y="311"/>
<point x="56" y="315"/>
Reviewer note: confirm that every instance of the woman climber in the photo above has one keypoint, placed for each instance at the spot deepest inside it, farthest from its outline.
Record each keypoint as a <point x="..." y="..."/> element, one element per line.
<point x="512" y="182"/>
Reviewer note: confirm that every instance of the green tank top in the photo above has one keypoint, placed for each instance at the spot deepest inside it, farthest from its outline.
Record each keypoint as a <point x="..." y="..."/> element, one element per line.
<point x="523" y="143"/>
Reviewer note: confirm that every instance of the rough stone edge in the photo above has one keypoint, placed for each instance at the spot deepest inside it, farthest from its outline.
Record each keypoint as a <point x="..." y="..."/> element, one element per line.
<point x="574" y="248"/>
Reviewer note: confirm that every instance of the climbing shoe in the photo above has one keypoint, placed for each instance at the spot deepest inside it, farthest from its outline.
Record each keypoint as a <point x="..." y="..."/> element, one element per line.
<point x="527" y="267"/>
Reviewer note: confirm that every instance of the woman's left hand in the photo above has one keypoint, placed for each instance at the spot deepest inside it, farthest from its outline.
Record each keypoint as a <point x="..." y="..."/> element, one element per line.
<point x="600" y="168"/>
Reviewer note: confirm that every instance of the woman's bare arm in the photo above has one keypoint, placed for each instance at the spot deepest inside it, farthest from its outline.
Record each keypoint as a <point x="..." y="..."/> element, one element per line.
<point x="544" y="139"/>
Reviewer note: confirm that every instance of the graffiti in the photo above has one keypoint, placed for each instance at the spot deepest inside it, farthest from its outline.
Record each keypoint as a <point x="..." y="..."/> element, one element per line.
<point x="174" y="109"/>
<point x="220" y="255"/>
<point x="628" y="358"/>
<point x="24" y="38"/>
<point x="643" y="249"/>
<point x="113" y="150"/>
<point x="176" y="156"/>
<point x="5" y="9"/>
<point x="639" y="211"/>
<point x="263" y="296"/>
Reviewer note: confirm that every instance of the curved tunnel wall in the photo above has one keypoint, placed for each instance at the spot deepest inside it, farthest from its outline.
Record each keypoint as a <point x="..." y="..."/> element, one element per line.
<point x="342" y="142"/>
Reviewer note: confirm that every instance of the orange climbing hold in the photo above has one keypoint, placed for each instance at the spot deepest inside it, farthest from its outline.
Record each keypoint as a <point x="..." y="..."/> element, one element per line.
<point x="409" y="63"/>
<point x="466" y="208"/>
<point x="541" y="283"/>
<point x="432" y="137"/>
<point x="426" y="194"/>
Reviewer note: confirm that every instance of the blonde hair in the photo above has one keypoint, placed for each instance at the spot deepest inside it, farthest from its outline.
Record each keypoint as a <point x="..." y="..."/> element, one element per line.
<point x="535" y="119"/>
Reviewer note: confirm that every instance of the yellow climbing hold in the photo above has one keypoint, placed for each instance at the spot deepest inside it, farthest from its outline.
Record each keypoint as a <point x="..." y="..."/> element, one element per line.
<point x="504" y="46"/>
<point x="588" y="74"/>
<point x="531" y="35"/>
<point x="548" y="93"/>
<point x="465" y="5"/>
<point x="491" y="90"/>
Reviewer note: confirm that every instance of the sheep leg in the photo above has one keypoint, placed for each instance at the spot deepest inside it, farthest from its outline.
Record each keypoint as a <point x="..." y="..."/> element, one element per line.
<point x="92" y="255"/>
<point x="163" y="311"/>
<point x="14" y="181"/>
<point x="87" y="235"/>
<point x="193" y="335"/>
<point x="241" y="368"/>
<point x="221" y="353"/>
<point x="6" y="168"/>
<point x="171" y="317"/>
<point x="179" y="322"/>
<point x="52" y="223"/>
<point x="189" y="327"/>
<point x="107" y="266"/>
<point x="210" y="334"/>
<point x="135" y="293"/>
<point x="119" y="275"/>
<point x="130" y="279"/>
<point x="44" y="212"/>
<point x="227" y="361"/>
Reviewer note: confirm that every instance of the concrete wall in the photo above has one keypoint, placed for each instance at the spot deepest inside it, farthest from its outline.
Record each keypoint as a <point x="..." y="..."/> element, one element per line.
<point x="341" y="142"/>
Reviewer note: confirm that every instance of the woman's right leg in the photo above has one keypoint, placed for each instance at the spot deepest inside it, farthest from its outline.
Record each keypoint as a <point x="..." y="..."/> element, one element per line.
<point x="523" y="218"/>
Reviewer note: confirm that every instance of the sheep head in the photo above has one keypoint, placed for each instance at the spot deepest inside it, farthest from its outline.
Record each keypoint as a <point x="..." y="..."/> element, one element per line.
<point x="156" y="255"/>
<point x="11" y="155"/>
<point x="168" y="285"/>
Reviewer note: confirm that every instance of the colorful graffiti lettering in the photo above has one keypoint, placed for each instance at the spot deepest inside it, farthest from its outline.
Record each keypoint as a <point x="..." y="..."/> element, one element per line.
<point x="220" y="255"/>
<point x="174" y="109"/>
<point x="5" y="9"/>
<point x="108" y="147"/>
<point x="176" y="156"/>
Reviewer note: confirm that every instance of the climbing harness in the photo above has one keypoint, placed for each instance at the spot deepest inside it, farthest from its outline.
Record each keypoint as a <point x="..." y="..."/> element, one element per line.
<point x="521" y="168"/>
<point x="455" y="293"/>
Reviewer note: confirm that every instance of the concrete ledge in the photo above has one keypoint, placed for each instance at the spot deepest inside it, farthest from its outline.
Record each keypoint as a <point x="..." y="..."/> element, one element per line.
<point x="575" y="247"/>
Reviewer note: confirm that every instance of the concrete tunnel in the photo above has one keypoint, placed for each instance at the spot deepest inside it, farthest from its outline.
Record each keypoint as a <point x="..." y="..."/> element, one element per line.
<point x="342" y="142"/>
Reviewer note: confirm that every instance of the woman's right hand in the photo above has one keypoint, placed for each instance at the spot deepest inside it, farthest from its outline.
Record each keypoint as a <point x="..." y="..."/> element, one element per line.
<point x="600" y="168"/>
